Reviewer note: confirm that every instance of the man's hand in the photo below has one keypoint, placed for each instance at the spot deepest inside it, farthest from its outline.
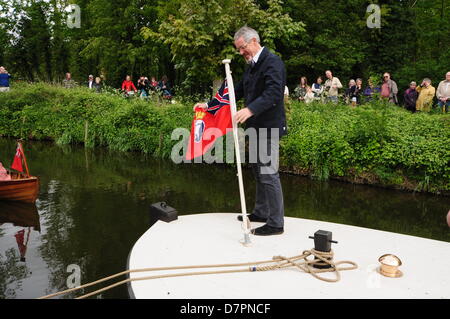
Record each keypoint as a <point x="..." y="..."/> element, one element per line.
<point x="201" y="105"/>
<point x="242" y="115"/>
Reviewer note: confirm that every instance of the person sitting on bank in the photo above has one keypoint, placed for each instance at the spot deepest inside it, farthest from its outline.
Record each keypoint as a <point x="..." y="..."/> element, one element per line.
<point x="426" y="94"/>
<point x="128" y="86"/>
<point x="4" y="79"/>
<point x="410" y="97"/>
<point x="443" y="93"/>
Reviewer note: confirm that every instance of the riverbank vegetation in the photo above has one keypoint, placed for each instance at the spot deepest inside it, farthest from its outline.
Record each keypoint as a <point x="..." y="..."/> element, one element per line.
<point x="377" y="143"/>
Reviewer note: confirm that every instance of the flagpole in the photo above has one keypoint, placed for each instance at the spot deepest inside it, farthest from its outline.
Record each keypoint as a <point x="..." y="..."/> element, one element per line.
<point x="245" y="220"/>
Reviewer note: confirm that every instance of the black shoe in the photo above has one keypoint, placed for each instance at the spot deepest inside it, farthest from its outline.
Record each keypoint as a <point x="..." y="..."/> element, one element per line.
<point x="253" y="218"/>
<point x="267" y="230"/>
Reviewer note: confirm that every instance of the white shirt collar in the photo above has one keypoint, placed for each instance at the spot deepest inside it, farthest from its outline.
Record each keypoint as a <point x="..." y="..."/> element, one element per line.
<point x="256" y="57"/>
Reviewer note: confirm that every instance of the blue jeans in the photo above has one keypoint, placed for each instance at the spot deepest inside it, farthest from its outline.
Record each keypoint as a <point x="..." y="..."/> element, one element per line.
<point x="333" y="99"/>
<point x="441" y="105"/>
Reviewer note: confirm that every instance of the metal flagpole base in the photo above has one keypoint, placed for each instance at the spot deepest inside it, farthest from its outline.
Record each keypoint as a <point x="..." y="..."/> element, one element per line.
<point x="246" y="241"/>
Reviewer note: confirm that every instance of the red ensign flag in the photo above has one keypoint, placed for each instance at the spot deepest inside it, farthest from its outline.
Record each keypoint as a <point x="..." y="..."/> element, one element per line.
<point x="17" y="163"/>
<point x="209" y="124"/>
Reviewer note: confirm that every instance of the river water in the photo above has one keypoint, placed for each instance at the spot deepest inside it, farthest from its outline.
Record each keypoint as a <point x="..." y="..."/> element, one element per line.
<point x="94" y="204"/>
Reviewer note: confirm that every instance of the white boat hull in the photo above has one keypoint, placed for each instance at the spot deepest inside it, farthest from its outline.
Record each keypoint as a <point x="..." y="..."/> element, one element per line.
<point x="205" y="239"/>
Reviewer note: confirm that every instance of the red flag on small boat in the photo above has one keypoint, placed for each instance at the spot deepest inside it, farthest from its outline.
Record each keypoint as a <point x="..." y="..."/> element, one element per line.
<point x="17" y="163"/>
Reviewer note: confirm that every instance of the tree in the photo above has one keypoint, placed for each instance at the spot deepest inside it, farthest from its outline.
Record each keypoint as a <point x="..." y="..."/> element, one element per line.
<point x="200" y="33"/>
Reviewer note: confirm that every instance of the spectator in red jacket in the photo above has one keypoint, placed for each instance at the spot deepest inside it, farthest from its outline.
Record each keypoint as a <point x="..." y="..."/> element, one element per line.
<point x="128" y="86"/>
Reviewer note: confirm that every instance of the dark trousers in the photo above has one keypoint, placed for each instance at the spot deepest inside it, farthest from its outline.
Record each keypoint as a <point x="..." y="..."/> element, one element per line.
<point x="269" y="194"/>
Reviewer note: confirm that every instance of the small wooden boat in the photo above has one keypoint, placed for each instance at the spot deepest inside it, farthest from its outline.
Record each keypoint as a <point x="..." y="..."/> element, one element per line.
<point x="23" y="189"/>
<point x="21" y="186"/>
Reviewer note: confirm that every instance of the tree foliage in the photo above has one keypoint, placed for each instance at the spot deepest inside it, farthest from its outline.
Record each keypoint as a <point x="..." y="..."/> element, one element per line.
<point x="188" y="39"/>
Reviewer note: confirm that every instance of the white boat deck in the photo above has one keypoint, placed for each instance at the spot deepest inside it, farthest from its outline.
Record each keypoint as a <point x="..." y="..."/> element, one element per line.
<point x="205" y="239"/>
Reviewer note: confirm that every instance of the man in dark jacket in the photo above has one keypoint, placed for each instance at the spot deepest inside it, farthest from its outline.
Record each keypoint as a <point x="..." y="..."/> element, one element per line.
<point x="262" y="88"/>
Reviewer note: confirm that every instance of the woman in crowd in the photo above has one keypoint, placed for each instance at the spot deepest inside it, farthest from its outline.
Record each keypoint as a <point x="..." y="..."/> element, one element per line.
<point x="300" y="90"/>
<point x="370" y="90"/>
<point x="355" y="94"/>
<point x="98" y="85"/>
<point x="349" y="90"/>
<point x="317" y="89"/>
<point x="410" y="97"/>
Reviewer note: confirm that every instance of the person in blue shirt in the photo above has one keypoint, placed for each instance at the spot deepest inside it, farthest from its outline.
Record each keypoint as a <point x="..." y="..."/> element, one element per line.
<point x="4" y="80"/>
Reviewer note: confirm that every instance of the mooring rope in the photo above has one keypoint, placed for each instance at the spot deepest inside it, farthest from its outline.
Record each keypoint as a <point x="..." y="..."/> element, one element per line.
<point x="307" y="266"/>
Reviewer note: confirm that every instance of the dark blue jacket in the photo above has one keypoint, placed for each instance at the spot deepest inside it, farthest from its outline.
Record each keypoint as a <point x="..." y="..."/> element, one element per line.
<point x="4" y="79"/>
<point x="262" y="88"/>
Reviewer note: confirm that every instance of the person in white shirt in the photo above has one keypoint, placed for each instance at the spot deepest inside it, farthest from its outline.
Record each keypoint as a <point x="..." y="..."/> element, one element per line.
<point x="443" y="93"/>
<point x="90" y="83"/>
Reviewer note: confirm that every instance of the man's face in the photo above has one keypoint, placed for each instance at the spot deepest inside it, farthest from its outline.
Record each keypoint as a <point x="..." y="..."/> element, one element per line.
<point x="447" y="76"/>
<point x="412" y="86"/>
<point x="386" y="77"/>
<point x="329" y="75"/>
<point x="247" y="49"/>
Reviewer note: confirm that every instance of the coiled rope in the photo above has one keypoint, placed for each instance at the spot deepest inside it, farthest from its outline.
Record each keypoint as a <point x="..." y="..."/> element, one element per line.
<point x="281" y="262"/>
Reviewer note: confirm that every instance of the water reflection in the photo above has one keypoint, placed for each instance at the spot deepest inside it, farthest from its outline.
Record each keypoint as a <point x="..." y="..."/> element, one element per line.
<point x="24" y="218"/>
<point x="20" y="214"/>
<point x="93" y="206"/>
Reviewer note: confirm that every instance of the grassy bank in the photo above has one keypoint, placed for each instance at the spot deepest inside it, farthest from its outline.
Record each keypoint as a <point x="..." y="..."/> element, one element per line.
<point x="374" y="144"/>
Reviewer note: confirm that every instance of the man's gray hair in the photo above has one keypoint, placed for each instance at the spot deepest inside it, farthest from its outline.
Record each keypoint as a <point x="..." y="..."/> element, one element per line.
<point x="247" y="33"/>
<point x="427" y="80"/>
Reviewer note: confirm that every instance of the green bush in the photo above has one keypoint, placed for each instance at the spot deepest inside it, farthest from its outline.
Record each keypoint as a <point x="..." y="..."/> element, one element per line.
<point x="375" y="143"/>
<point x="379" y="141"/>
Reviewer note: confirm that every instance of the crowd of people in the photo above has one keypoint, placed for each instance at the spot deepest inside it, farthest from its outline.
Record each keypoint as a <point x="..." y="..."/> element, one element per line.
<point x="415" y="98"/>
<point x="144" y="87"/>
